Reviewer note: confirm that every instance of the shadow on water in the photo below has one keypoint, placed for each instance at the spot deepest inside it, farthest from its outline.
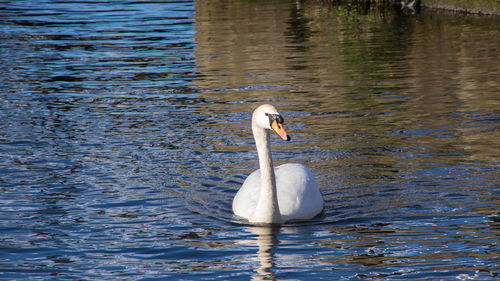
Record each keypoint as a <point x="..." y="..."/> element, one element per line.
<point x="125" y="133"/>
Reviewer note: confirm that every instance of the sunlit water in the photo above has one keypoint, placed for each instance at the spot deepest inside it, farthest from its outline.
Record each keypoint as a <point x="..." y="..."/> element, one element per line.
<point x="125" y="134"/>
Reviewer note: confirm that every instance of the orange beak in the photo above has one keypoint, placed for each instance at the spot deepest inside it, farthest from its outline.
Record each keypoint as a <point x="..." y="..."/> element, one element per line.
<point x="280" y="130"/>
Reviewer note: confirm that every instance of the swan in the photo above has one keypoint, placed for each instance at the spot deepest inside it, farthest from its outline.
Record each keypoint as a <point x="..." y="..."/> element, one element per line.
<point x="275" y="195"/>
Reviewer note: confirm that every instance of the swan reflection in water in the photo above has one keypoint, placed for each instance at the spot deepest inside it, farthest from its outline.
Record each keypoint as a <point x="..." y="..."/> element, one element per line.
<point x="266" y="240"/>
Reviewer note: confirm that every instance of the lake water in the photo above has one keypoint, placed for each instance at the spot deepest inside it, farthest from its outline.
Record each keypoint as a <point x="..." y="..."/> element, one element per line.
<point x="125" y="133"/>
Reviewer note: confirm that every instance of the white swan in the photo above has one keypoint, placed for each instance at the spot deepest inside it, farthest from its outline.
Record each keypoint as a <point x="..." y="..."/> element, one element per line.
<point x="274" y="196"/>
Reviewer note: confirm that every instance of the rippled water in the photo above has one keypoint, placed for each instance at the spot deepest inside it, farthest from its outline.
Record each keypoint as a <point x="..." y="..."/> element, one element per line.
<point x="125" y="134"/>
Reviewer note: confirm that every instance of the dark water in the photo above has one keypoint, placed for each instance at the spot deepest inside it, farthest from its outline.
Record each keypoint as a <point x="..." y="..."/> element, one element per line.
<point x="125" y="133"/>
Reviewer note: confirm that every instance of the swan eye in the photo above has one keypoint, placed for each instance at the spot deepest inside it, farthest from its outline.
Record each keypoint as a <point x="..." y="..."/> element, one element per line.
<point x="275" y="117"/>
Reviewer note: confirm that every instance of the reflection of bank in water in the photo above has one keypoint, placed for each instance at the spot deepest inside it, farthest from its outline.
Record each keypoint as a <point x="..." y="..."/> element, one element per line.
<point x="240" y="43"/>
<point x="333" y="65"/>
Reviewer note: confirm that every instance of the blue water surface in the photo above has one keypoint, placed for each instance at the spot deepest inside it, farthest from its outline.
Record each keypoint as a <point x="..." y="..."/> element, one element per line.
<point x="125" y="134"/>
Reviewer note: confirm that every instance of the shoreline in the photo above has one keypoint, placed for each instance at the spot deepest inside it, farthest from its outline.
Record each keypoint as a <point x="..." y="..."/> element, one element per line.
<point x="476" y="7"/>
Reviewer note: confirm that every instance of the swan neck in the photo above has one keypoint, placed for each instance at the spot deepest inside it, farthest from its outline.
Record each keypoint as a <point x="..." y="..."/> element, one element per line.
<point x="267" y="210"/>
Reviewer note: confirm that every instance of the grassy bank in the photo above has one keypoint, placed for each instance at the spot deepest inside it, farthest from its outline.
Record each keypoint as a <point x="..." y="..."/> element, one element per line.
<point x="486" y="7"/>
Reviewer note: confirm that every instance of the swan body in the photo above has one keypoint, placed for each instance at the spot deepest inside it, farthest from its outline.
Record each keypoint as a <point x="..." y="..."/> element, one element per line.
<point x="300" y="201"/>
<point x="274" y="195"/>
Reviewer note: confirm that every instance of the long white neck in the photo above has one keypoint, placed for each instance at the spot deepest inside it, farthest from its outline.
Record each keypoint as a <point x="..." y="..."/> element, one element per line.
<point x="267" y="210"/>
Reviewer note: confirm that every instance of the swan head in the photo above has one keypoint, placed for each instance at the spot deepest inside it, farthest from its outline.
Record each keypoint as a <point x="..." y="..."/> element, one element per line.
<point x="267" y="117"/>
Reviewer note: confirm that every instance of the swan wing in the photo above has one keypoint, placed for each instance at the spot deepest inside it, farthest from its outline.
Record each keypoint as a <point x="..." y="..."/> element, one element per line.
<point x="298" y="195"/>
<point x="245" y="201"/>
